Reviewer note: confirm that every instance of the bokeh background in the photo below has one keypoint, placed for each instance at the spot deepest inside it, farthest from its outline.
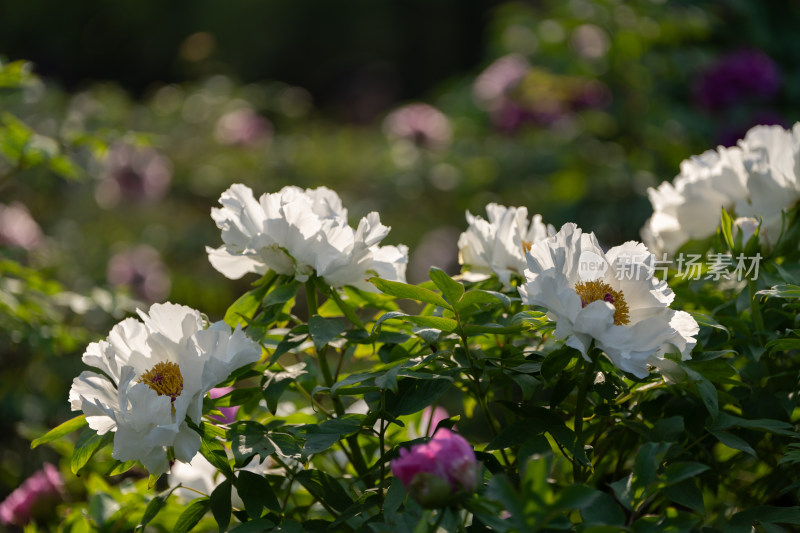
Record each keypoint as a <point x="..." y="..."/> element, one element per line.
<point x="131" y="118"/>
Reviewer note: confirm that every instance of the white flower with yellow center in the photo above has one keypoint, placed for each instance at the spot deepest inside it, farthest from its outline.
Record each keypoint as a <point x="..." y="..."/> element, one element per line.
<point x="155" y="374"/>
<point x="301" y="232"/>
<point x="498" y="245"/>
<point x="610" y="298"/>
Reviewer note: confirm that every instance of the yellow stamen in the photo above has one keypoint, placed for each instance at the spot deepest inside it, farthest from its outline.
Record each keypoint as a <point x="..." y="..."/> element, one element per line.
<point x="592" y="291"/>
<point x="526" y="246"/>
<point x="165" y="378"/>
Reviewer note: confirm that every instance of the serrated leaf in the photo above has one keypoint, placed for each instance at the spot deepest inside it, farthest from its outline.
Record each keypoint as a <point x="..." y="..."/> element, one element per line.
<point x="60" y="430"/>
<point x="88" y="444"/>
<point x="451" y="289"/>
<point x="411" y="292"/>
<point x="192" y="515"/>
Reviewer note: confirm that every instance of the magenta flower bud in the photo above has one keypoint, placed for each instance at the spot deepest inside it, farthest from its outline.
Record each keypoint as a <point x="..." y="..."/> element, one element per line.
<point x="437" y="472"/>
<point x="228" y="413"/>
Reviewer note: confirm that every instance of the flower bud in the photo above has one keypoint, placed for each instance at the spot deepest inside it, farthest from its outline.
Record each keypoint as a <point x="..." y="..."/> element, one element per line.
<point x="437" y="472"/>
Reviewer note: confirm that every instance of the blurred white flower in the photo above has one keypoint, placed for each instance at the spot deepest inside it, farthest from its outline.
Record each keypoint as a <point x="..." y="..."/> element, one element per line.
<point x="758" y="179"/>
<point x="498" y="246"/>
<point x="242" y="127"/>
<point x="610" y="298"/>
<point x="203" y="477"/>
<point x="301" y="232"/>
<point x="156" y="372"/>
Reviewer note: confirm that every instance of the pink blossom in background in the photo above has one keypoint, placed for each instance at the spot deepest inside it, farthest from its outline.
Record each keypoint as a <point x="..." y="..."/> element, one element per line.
<point x="421" y="124"/>
<point x="436" y="472"/>
<point x="141" y="269"/>
<point x="431" y="417"/>
<point x="228" y="413"/>
<point x="133" y="174"/>
<point x="242" y="127"/>
<point x="41" y="487"/>
<point x="18" y="228"/>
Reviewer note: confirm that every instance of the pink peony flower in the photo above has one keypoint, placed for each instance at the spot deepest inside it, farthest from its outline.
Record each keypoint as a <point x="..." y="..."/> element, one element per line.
<point x="436" y="472"/>
<point x="44" y="485"/>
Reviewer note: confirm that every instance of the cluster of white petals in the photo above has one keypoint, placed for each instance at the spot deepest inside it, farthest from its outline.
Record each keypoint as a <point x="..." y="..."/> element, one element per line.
<point x="497" y="246"/>
<point x="758" y="179"/>
<point x="156" y="372"/>
<point x="610" y="298"/>
<point x="301" y="232"/>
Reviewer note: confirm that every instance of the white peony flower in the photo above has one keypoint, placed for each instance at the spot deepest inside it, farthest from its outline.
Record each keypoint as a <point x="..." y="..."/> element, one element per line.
<point x="609" y="298"/>
<point x="498" y="246"/>
<point x="758" y="179"/>
<point x="157" y="371"/>
<point x="690" y="207"/>
<point x="301" y="232"/>
<point x="772" y="161"/>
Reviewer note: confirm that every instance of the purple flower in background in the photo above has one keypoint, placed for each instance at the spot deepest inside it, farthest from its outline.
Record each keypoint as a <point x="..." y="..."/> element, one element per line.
<point x="436" y="472"/>
<point x="141" y="269"/>
<point x="43" y="486"/>
<point x="132" y="173"/>
<point x="421" y="124"/>
<point x="242" y="127"/>
<point x="228" y="413"/>
<point x="745" y="75"/>
<point x="18" y="228"/>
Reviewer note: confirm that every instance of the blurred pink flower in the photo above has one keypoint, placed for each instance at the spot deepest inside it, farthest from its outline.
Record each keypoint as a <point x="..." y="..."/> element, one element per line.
<point x="141" y="269"/>
<point x="41" y="487"/>
<point x="493" y="85"/>
<point x="18" y="228"/>
<point x="422" y="124"/>
<point x="228" y="413"/>
<point x="438" y="471"/>
<point x="133" y="174"/>
<point x="242" y="127"/>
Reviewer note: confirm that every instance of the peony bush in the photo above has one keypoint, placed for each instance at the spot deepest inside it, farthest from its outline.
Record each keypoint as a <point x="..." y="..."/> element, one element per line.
<point x="554" y="384"/>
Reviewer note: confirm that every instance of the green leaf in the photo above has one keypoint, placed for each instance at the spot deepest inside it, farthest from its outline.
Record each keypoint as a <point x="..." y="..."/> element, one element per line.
<point x="766" y="425"/>
<point x="557" y="360"/>
<point x="687" y="494"/>
<point x="705" y="320"/>
<point x="479" y="296"/>
<point x="411" y="292"/>
<point x="677" y="472"/>
<point x="281" y="294"/>
<point x="320" y="437"/>
<point x="415" y="395"/>
<point x="154" y="506"/>
<point x="60" y="430"/>
<point x="254" y="526"/>
<point x="324" y="330"/>
<point x="726" y="228"/>
<point x="732" y="441"/>
<point x="244" y="309"/>
<point x="214" y="451"/>
<point x="782" y="290"/>
<point x="324" y="488"/>
<point x="293" y="339"/>
<point x="220" y="501"/>
<point x="441" y="323"/>
<point x="649" y="458"/>
<point x="276" y="383"/>
<point x="191" y="515"/>
<point x="256" y="493"/>
<point x="121" y="468"/>
<point x="604" y="510"/>
<point x="705" y="389"/>
<point x="88" y="444"/>
<point x="451" y="289"/>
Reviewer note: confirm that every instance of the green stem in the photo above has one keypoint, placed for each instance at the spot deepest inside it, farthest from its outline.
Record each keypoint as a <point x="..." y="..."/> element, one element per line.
<point x="588" y="379"/>
<point x="755" y="310"/>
